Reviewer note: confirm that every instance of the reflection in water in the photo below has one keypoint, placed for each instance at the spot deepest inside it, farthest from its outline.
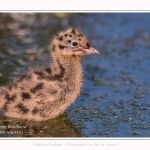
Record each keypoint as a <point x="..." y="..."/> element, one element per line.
<point x="59" y="127"/>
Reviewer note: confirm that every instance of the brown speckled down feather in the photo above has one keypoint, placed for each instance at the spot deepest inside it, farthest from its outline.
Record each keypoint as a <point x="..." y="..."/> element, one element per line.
<point x="44" y="93"/>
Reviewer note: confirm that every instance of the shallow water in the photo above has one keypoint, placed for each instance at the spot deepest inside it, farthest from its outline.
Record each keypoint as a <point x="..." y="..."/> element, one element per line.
<point x="115" y="98"/>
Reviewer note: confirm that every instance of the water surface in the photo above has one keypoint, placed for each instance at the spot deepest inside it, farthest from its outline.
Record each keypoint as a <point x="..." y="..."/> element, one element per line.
<point x="115" y="98"/>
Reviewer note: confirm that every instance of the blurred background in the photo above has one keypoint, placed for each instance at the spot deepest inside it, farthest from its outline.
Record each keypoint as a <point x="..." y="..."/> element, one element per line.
<point x="115" y="98"/>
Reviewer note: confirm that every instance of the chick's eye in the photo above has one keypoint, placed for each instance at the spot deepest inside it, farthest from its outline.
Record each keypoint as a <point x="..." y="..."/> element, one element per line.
<point x="88" y="45"/>
<point x="74" y="43"/>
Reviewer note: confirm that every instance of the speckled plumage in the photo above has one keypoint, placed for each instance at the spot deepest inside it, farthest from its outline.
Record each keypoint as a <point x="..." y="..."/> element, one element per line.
<point x="44" y="93"/>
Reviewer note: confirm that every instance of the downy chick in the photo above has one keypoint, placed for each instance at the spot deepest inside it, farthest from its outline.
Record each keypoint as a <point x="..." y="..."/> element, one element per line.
<point x="44" y="93"/>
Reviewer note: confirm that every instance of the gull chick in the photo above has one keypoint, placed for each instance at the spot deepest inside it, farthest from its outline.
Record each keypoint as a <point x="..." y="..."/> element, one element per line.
<point x="44" y="93"/>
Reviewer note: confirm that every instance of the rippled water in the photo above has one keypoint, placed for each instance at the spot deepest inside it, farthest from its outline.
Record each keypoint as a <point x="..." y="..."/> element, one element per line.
<point x="115" y="99"/>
